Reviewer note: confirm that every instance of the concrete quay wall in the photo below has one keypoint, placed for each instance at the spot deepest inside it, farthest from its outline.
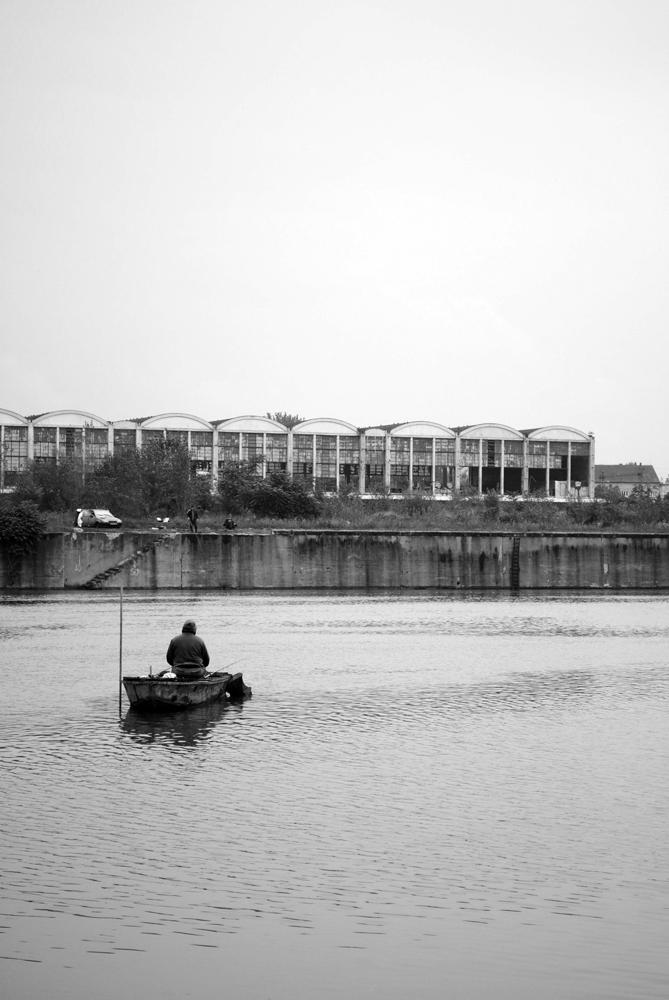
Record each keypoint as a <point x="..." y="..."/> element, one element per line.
<point x="342" y="560"/>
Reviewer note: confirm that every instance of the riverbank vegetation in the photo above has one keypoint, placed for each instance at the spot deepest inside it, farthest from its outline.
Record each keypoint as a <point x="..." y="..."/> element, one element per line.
<point x="21" y="529"/>
<point x="161" y="482"/>
<point x="490" y="513"/>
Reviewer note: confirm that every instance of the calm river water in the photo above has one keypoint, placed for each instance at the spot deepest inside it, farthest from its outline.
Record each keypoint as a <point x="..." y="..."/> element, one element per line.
<point x="427" y="797"/>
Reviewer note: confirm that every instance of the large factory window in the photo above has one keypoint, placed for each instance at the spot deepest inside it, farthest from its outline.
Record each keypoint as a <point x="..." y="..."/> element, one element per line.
<point x="326" y="462"/>
<point x="152" y="437"/>
<point x="444" y="462"/>
<point x="399" y="464"/>
<point x="14" y="454"/>
<point x="375" y="464"/>
<point x="201" y="452"/>
<point x="71" y="443"/>
<point x="124" y="441"/>
<point x="536" y="461"/>
<point x="276" y="452"/>
<point x="228" y="447"/>
<point x="513" y="466"/>
<point x="252" y="448"/>
<point x="45" y="444"/>
<point x="349" y="462"/>
<point x="580" y="463"/>
<point x="303" y="458"/>
<point x="422" y="464"/>
<point x="469" y="462"/>
<point x="97" y="447"/>
<point x="177" y="437"/>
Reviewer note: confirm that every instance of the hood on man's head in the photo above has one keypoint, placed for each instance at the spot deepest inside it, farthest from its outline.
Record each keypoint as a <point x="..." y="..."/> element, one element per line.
<point x="189" y="626"/>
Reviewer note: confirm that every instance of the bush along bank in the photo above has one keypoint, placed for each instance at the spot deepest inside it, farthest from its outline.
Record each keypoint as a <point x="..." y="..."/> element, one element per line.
<point x="21" y="531"/>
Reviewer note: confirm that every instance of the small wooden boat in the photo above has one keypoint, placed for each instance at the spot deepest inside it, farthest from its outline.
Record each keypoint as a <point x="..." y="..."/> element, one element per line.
<point x="161" y="693"/>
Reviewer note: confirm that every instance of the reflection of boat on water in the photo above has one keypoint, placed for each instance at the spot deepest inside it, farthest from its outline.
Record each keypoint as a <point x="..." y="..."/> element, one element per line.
<point x="159" y="693"/>
<point x="178" y="729"/>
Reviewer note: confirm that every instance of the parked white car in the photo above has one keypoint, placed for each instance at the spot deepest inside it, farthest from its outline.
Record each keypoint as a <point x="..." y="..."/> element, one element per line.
<point x="97" y="517"/>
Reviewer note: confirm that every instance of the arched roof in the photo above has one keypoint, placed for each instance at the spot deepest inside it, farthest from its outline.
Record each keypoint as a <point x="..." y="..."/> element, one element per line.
<point x="175" y="422"/>
<point x="422" y="428"/>
<point x="492" y="432"/>
<point x="69" y="418"/>
<point x="252" y="425"/>
<point x="557" y="432"/>
<point x="375" y="432"/>
<point x="11" y="419"/>
<point x="325" y="425"/>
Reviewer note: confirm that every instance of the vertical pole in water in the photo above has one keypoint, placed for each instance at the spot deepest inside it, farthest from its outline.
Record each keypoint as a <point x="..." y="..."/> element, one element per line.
<point x="120" y="650"/>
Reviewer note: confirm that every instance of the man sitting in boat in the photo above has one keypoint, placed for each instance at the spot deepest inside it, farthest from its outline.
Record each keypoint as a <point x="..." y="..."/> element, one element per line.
<point x="187" y="653"/>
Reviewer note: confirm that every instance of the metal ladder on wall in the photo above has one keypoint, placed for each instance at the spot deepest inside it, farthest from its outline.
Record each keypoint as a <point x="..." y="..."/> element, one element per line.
<point x="515" y="563"/>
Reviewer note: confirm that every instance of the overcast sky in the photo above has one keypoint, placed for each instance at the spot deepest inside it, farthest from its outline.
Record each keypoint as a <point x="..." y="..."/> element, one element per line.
<point x="379" y="211"/>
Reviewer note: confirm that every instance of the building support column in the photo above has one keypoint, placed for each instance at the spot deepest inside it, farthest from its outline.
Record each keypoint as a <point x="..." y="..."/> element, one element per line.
<point x="362" y="478"/>
<point x="525" y="473"/>
<point x="337" y="466"/>
<point x="386" y="463"/>
<point x="548" y="469"/>
<point x="313" y="463"/>
<point x="458" y="470"/>
<point x="289" y="454"/>
<point x="214" y="461"/>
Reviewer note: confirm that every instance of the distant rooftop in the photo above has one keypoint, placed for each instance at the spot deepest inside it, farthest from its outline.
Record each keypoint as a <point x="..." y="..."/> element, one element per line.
<point x="627" y="472"/>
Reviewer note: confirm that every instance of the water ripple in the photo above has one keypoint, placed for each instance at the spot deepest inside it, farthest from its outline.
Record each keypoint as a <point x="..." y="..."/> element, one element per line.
<point x="389" y="788"/>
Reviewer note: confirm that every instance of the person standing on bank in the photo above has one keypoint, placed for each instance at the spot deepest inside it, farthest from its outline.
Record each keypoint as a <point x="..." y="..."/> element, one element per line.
<point x="191" y="514"/>
<point x="187" y="653"/>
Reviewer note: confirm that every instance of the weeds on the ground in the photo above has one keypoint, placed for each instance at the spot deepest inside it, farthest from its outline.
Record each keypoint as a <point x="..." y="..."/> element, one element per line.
<point x="490" y="513"/>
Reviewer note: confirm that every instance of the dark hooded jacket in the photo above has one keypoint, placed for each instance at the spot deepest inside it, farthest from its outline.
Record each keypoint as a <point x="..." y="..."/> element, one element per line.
<point x="187" y="648"/>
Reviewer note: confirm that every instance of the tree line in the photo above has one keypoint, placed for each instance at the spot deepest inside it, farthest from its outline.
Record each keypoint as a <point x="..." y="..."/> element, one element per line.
<point x="161" y="480"/>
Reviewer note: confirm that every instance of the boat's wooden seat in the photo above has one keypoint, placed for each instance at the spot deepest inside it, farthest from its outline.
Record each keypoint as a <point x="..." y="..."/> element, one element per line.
<point x="189" y="671"/>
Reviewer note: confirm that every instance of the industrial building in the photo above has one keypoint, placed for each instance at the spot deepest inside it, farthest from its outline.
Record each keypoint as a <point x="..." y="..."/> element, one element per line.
<point x="326" y="454"/>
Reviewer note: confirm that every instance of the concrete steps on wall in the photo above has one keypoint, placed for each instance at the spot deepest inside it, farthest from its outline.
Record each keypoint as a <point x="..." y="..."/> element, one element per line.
<point x="100" y="579"/>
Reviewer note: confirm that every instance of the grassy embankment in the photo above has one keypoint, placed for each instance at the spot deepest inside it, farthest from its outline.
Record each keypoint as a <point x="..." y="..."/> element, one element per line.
<point x="611" y="514"/>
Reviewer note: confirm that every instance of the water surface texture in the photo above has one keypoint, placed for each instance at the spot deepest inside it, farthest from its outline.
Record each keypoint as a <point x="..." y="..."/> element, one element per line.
<point x="427" y="797"/>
